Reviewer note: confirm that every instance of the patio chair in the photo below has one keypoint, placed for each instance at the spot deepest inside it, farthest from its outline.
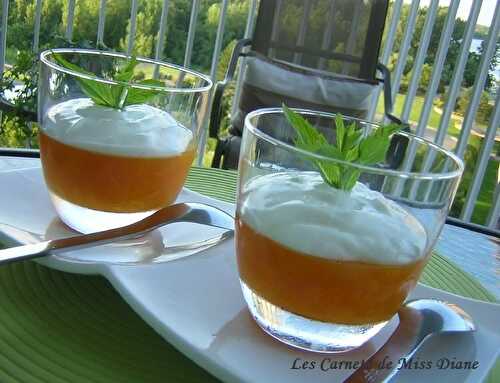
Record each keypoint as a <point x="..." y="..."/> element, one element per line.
<point x="314" y="54"/>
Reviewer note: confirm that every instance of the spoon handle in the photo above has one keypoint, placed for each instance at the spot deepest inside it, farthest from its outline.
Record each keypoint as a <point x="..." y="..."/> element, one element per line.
<point x="23" y="253"/>
<point x="403" y="343"/>
<point x="37" y="250"/>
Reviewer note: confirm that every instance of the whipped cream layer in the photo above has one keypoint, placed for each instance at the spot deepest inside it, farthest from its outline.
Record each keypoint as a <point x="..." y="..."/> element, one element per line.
<point x="300" y="211"/>
<point x="137" y="130"/>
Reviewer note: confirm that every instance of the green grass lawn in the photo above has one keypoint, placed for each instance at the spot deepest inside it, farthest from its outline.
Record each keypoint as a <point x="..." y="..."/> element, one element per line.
<point x="416" y="111"/>
<point x="485" y="198"/>
<point x="10" y="55"/>
<point x="173" y="73"/>
<point x="490" y="179"/>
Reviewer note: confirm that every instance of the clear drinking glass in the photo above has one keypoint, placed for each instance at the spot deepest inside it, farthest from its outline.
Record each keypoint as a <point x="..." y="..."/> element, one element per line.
<point x="110" y="166"/>
<point x="325" y="269"/>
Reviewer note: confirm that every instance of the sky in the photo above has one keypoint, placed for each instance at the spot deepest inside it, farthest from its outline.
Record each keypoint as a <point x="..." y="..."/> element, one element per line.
<point x="485" y="15"/>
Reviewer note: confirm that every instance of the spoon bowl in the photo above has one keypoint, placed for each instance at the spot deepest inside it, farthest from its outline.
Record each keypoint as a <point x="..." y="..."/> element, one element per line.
<point x="438" y="316"/>
<point x="419" y="320"/>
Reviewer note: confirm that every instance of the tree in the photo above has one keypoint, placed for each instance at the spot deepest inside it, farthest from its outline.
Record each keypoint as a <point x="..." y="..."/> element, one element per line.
<point x="224" y="59"/>
<point x="425" y="78"/>
<point x="472" y="65"/>
<point x="20" y="26"/>
<point x="51" y="21"/>
<point x="177" y="28"/>
<point x="147" y="26"/>
<point x="235" y="25"/>
<point x="227" y="100"/>
<point x="85" y="20"/>
<point x="117" y="16"/>
<point x="484" y="109"/>
<point x="495" y="60"/>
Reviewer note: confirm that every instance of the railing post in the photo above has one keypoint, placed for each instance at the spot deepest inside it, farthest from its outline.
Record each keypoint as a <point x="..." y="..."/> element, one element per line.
<point x="36" y="32"/>
<point x="248" y="33"/>
<point x="494" y="214"/>
<point x="213" y="74"/>
<point x="160" y="41"/>
<point x="218" y="39"/>
<point x="102" y="21"/>
<point x="386" y="54"/>
<point x="454" y="88"/>
<point x="444" y="43"/>
<point x="479" y="82"/>
<point x="458" y="72"/>
<point x="482" y="163"/>
<point x="70" y="19"/>
<point x="404" y="48"/>
<point x="191" y="33"/>
<point x="420" y="59"/>
<point x="133" y="26"/>
<point x="3" y="34"/>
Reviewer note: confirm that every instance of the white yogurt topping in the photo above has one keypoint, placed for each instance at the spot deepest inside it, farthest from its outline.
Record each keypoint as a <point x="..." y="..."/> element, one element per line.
<point x="305" y="214"/>
<point x="137" y="130"/>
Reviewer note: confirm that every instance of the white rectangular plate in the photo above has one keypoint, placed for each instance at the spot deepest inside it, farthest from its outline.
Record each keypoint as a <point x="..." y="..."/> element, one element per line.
<point x="196" y="304"/>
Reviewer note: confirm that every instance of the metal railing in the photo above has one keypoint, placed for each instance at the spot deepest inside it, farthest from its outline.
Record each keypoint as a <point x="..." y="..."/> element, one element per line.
<point x="392" y="24"/>
<point x="453" y="91"/>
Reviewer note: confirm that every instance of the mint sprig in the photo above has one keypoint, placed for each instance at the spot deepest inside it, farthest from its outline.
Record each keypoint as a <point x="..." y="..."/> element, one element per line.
<point x="351" y="145"/>
<point x="112" y="95"/>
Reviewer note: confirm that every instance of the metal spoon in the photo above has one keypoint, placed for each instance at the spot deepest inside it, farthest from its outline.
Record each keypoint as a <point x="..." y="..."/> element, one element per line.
<point x="181" y="212"/>
<point x="418" y="321"/>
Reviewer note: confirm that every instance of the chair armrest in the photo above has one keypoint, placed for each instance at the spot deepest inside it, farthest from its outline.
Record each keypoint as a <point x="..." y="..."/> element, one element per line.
<point x="216" y="114"/>
<point x="388" y="102"/>
<point x="399" y="144"/>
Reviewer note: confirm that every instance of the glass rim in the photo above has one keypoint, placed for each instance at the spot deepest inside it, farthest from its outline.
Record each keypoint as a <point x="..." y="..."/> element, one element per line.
<point x="369" y="168"/>
<point x="44" y="57"/>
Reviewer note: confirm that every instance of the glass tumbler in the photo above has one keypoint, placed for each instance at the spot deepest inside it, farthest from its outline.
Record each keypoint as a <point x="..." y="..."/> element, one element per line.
<point x="324" y="268"/>
<point x="117" y="134"/>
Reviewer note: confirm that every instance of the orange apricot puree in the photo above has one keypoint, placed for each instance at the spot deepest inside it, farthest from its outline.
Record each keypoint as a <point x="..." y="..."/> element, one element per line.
<point x="346" y="292"/>
<point x="110" y="182"/>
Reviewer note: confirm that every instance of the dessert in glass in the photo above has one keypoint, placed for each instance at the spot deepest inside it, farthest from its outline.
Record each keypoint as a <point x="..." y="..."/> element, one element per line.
<point x="328" y="249"/>
<point x="118" y="134"/>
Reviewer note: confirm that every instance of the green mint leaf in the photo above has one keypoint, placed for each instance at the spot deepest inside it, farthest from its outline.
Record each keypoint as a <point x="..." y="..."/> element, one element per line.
<point x="352" y="154"/>
<point x="351" y="146"/>
<point x="331" y="151"/>
<point x="390" y="129"/>
<point x="353" y="136"/>
<point x="68" y="65"/>
<point x="331" y="173"/>
<point x="373" y="149"/>
<point x="113" y="96"/>
<point x="140" y="96"/>
<point x="349" y="178"/>
<point x="307" y="135"/>
<point x="126" y="73"/>
<point x="96" y="91"/>
<point x="351" y="129"/>
<point x="119" y="93"/>
<point x="100" y="93"/>
<point x="310" y="139"/>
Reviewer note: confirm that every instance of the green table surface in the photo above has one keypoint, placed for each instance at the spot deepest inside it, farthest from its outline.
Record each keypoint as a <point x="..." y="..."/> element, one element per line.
<point x="60" y="327"/>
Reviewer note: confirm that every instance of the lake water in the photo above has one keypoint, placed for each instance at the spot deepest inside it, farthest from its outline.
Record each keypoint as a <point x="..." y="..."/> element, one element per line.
<point x="474" y="47"/>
